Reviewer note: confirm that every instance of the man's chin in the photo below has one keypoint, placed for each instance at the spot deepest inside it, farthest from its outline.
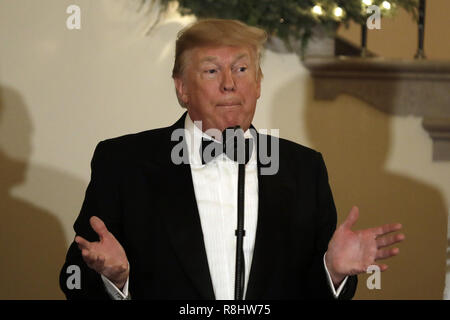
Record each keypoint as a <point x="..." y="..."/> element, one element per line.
<point x="243" y="125"/>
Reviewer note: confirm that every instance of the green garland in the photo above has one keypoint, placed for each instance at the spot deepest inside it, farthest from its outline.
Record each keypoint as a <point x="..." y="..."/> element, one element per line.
<point x="288" y="19"/>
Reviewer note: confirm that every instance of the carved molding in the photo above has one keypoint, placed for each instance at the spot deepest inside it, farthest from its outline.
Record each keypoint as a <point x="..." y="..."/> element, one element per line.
<point x="439" y="130"/>
<point x="397" y="87"/>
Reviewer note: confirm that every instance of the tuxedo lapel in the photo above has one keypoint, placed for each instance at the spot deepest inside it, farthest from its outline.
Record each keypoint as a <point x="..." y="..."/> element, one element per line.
<point x="268" y="241"/>
<point x="183" y="222"/>
<point x="185" y="231"/>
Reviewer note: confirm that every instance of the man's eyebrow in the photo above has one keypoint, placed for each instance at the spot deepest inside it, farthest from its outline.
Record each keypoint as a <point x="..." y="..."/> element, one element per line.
<point x="208" y="59"/>
<point x="239" y="57"/>
<point x="214" y="58"/>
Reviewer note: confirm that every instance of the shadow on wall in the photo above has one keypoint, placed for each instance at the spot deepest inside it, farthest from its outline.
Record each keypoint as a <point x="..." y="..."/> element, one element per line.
<point x="32" y="245"/>
<point x="448" y="257"/>
<point x="354" y="140"/>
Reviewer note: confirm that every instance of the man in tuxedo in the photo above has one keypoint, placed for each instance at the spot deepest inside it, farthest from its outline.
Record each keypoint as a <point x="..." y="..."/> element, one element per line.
<point x="154" y="227"/>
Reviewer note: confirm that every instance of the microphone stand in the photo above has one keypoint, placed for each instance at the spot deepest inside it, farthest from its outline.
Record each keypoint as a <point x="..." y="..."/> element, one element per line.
<point x="240" y="155"/>
<point x="240" y="233"/>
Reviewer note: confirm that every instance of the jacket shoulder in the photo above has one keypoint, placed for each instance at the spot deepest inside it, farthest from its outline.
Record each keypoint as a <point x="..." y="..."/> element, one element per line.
<point x="137" y="139"/>
<point x="133" y="147"/>
<point x="296" y="149"/>
<point x="296" y="158"/>
<point x="147" y="142"/>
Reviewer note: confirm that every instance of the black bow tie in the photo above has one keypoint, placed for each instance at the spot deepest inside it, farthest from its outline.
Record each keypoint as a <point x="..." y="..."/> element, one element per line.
<point x="234" y="147"/>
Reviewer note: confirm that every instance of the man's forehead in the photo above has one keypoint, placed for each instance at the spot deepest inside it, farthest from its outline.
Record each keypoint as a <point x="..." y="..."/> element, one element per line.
<point x="212" y="54"/>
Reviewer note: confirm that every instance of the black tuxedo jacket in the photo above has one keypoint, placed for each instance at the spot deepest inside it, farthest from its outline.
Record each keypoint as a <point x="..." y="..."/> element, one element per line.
<point x="149" y="204"/>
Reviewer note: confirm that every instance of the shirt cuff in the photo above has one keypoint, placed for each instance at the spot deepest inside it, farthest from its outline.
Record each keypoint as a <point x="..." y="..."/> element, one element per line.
<point x="114" y="292"/>
<point x="337" y="292"/>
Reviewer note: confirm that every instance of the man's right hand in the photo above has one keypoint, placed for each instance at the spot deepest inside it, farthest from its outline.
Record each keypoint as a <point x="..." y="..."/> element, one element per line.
<point x="106" y="256"/>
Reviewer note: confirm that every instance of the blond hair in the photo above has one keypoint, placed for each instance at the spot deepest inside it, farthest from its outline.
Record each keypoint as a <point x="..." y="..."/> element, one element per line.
<point x="217" y="32"/>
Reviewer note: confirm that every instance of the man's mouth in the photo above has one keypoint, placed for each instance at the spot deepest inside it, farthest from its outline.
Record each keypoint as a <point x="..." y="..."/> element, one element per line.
<point x="229" y="104"/>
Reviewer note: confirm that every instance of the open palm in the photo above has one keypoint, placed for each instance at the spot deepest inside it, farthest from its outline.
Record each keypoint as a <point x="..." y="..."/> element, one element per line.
<point x="106" y="256"/>
<point x="352" y="252"/>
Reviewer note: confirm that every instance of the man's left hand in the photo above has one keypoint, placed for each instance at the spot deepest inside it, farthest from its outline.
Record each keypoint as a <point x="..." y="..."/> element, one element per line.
<point x="352" y="252"/>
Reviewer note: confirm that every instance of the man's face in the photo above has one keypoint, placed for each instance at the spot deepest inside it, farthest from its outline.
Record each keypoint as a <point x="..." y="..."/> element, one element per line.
<point x="220" y="86"/>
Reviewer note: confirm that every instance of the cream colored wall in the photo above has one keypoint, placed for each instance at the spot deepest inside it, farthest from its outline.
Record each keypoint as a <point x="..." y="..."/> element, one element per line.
<point x="417" y="186"/>
<point x="63" y="91"/>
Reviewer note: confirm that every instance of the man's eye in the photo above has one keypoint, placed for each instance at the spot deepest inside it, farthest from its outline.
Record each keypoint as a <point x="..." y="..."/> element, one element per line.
<point x="211" y="71"/>
<point x="242" y="69"/>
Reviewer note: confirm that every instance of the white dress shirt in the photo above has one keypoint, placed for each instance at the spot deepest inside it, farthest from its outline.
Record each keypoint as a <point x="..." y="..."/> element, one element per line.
<point x="215" y="185"/>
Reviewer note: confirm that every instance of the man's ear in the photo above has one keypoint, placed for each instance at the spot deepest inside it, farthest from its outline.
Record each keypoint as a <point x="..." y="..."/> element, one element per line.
<point x="182" y="95"/>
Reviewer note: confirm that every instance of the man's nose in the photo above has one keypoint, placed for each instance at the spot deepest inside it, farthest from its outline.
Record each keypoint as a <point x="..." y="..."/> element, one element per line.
<point x="228" y="82"/>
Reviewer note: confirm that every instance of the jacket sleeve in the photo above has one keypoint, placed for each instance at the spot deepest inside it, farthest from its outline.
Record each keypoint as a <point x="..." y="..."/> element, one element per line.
<point x="101" y="200"/>
<point x="325" y="225"/>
